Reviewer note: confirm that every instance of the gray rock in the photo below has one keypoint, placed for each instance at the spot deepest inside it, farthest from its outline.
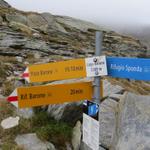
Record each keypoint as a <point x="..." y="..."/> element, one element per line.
<point x="17" y="17"/>
<point x="52" y="23"/>
<point x="76" y="23"/>
<point x="64" y="111"/>
<point x="110" y="89"/>
<point x="36" y="35"/>
<point x="36" y="21"/>
<point x="31" y="142"/>
<point x="37" y="45"/>
<point x="116" y="97"/>
<point x="10" y="122"/>
<point x="134" y="123"/>
<point x="25" y="113"/>
<point x="108" y="122"/>
<point x="21" y="27"/>
<point x="49" y="18"/>
<point x="19" y="59"/>
<point x="4" y="4"/>
<point x="11" y="40"/>
<point x="68" y="146"/>
<point x="76" y="136"/>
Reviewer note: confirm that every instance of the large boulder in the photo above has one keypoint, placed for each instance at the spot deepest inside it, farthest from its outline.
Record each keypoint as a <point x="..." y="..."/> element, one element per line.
<point x="68" y="112"/>
<point x="133" y="130"/>
<point x="31" y="142"/>
<point x="108" y="122"/>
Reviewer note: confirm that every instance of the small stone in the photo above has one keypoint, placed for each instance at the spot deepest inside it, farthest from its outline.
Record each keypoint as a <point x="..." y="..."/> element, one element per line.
<point x="10" y="122"/>
<point x="19" y="59"/>
<point x="37" y="55"/>
<point x="36" y="35"/>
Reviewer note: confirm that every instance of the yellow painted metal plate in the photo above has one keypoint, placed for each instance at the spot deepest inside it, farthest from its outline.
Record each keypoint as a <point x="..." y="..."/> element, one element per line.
<point x="54" y="94"/>
<point x="57" y="70"/>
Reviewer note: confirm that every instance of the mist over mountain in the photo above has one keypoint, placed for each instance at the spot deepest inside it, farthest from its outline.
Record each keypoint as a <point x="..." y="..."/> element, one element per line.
<point x="139" y="31"/>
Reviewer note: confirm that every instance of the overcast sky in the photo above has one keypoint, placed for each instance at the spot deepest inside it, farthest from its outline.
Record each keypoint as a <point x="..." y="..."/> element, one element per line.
<point x="103" y="12"/>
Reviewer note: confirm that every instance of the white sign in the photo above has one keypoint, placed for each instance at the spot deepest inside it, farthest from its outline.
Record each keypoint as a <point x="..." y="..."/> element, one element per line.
<point x="96" y="66"/>
<point x="90" y="132"/>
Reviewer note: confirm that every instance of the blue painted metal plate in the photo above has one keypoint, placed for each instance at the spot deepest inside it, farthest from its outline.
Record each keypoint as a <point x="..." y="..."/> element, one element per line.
<point x="131" y="68"/>
<point x="93" y="109"/>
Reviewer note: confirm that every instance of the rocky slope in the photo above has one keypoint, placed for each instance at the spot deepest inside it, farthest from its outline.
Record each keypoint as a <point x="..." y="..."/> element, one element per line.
<point x="28" y="37"/>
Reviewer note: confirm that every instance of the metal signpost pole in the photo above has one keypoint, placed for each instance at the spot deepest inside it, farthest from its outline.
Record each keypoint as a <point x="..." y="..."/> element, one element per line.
<point x="96" y="82"/>
<point x="98" y="51"/>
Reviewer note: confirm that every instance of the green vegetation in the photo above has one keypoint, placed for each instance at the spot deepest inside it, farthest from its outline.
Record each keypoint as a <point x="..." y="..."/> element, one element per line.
<point x="46" y="128"/>
<point x="50" y="130"/>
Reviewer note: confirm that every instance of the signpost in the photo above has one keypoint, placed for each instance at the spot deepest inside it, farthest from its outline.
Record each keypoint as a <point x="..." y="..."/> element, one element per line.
<point x="131" y="68"/>
<point x="91" y="127"/>
<point x="77" y="68"/>
<point x="24" y="97"/>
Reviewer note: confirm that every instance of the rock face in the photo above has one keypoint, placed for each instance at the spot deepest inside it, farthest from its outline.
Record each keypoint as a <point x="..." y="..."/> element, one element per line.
<point x="31" y="142"/>
<point x="134" y="129"/>
<point x="124" y="124"/>
<point x="4" y="4"/>
<point x="108" y="122"/>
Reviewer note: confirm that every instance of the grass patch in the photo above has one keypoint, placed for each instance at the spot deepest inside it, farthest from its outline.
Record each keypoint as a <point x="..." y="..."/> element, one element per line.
<point x="57" y="133"/>
<point x="46" y="128"/>
<point x="6" y="110"/>
<point x="7" y="88"/>
<point x="11" y="146"/>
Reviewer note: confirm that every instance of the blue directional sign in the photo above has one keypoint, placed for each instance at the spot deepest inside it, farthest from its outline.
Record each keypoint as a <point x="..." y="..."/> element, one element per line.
<point x="93" y="109"/>
<point x="131" y="68"/>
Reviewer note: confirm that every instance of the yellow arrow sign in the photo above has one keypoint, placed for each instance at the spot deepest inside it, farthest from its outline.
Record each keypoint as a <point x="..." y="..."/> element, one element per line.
<point x="54" y="94"/>
<point x="77" y="68"/>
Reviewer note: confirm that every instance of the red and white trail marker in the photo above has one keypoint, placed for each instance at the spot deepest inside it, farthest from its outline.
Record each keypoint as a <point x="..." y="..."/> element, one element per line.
<point x="25" y="75"/>
<point x="13" y="98"/>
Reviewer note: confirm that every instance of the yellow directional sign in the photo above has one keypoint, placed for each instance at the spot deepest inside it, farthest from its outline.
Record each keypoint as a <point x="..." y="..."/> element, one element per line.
<point x="69" y="69"/>
<point x="53" y="94"/>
